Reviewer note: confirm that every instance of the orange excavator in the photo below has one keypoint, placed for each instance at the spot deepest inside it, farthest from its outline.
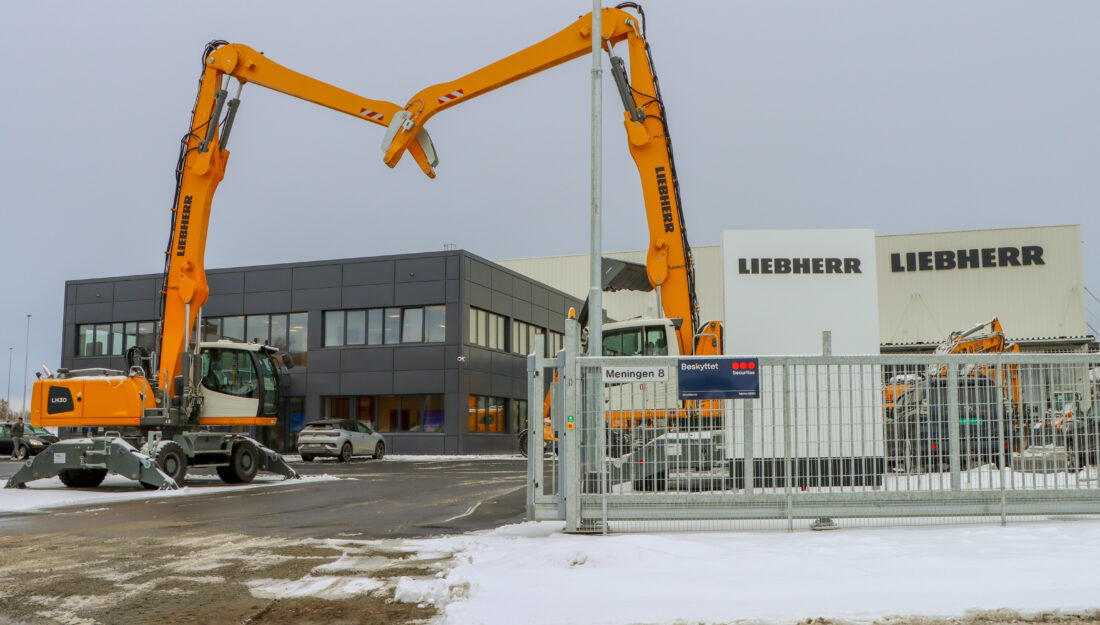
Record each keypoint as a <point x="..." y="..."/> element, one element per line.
<point x="669" y="265"/>
<point x="187" y="383"/>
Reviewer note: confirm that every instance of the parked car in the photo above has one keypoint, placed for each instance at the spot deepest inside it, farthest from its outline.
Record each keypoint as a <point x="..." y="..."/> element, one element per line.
<point x="340" y="439"/>
<point x="35" y="439"/>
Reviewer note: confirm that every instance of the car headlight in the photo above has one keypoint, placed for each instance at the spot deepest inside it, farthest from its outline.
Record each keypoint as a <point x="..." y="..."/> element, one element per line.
<point x="37" y="443"/>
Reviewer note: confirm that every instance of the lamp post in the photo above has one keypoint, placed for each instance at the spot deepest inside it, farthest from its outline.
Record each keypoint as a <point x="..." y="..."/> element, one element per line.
<point x="26" y="359"/>
<point x="11" y="350"/>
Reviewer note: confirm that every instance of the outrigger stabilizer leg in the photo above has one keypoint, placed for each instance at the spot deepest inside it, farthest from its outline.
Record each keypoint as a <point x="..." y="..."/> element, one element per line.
<point x="86" y="461"/>
<point x="272" y="461"/>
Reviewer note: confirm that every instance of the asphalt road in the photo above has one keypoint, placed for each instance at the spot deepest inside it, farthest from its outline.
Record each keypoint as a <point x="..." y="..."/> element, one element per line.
<point x="382" y="499"/>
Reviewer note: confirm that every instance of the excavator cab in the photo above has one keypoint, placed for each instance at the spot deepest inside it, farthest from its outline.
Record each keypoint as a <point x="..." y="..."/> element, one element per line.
<point x="239" y="383"/>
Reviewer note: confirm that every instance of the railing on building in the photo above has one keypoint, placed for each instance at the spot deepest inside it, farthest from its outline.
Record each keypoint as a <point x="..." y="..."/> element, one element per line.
<point x="831" y="440"/>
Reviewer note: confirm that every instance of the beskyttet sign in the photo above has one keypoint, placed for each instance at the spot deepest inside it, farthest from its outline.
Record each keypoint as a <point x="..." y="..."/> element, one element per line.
<point x="719" y="378"/>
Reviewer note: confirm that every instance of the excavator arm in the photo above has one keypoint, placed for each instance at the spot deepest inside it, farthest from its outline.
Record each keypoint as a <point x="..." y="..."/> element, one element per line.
<point x="203" y="157"/>
<point x="668" y="261"/>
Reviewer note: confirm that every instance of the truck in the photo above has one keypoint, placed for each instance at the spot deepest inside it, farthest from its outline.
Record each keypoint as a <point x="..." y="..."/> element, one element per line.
<point x="159" y="412"/>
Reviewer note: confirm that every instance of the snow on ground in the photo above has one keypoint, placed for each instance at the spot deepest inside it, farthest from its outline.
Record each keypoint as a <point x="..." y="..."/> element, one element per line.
<point x="534" y="574"/>
<point x="51" y="493"/>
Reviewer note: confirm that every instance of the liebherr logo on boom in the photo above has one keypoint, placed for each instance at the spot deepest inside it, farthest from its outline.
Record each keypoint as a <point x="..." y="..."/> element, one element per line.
<point x="185" y="219"/>
<point x="666" y="204"/>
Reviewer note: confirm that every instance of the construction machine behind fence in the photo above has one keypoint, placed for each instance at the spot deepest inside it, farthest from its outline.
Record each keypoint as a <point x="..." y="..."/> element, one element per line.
<point x="159" y="411"/>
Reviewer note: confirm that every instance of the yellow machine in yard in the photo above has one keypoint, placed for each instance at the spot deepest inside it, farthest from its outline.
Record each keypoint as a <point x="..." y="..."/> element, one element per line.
<point x="186" y="384"/>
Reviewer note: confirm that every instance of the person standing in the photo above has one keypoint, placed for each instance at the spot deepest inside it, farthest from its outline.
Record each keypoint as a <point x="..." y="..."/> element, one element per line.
<point x="16" y="437"/>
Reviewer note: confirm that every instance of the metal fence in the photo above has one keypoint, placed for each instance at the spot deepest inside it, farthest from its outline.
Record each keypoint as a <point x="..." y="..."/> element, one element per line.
<point x="830" y="440"/>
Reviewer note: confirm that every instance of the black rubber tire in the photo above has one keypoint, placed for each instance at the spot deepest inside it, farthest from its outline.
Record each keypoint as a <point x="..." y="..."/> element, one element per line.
<point x="22" y="453"/>
<point x="307" y="458"/>
<point x="244" y="462"/>
<point x="379" y="451"/>
<point x="345" y="453"/>
<point x="82" y="478"/>
<point x="173" y="461"/>
<point x="522" y="441"/>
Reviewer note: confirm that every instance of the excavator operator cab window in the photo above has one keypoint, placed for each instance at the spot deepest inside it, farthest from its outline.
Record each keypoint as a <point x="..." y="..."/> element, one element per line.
<point x="629" y="342"/>
<point x="230" y="371"/>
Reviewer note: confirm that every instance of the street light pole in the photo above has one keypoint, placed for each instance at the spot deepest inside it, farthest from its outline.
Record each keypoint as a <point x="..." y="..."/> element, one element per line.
<point x="11" y="350"/>
<point x="26" y="359"/>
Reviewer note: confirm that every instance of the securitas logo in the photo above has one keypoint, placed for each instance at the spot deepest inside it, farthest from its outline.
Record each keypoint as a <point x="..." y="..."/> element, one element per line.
<point x="743" y="367"/>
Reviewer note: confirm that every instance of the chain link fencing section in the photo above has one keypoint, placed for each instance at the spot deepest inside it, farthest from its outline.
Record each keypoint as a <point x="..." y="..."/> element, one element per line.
<point x="831" y="442"/>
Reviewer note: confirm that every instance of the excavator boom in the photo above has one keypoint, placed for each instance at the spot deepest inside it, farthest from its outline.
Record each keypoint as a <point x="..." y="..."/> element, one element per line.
<point x="668" y="259"/>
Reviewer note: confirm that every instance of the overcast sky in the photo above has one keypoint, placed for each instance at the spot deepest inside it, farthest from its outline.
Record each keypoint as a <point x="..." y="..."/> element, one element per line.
<point x="902" y="117"/>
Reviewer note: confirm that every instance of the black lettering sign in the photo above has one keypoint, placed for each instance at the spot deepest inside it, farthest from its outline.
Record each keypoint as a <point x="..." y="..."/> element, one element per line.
<point x="941" y="260"/>
<point x="185" y="220"/>
<point x="798" y="265"/>
<point x="666" y="203"/>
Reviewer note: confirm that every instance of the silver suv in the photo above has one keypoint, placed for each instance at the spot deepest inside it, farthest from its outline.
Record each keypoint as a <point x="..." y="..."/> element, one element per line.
<point x="340" y="439"/>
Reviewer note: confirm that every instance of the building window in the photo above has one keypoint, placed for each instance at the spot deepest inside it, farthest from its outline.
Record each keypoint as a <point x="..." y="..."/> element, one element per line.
<point x="523" y="337"/>
<point x="402" y="413"/>
<point x="555" y="341"/>
<point x="113" y="339"/>
<point x="518" y="418"/>
<point x="487" y="414"/>
<point x="286" y="332"/>
<point x="488" y="329"/>
<point x="385" y="326"/>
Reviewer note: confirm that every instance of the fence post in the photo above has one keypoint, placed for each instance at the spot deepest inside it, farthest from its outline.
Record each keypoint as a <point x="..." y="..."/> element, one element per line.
<point x="953" y="423"/>
<point x="1001" y="440"/>
<point x="787" y="464"/>
<point x="535" y="450"/>
<point x="570" y="439"/>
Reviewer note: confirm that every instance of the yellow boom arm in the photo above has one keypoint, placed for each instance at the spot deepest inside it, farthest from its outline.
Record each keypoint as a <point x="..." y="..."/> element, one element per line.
<point x="668" y="261"/>
<point x="202" y="166"/>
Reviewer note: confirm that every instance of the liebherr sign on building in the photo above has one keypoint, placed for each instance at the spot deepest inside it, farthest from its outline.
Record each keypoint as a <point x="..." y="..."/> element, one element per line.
<point x="933" y="284"/>
<point x="784" y="287"/>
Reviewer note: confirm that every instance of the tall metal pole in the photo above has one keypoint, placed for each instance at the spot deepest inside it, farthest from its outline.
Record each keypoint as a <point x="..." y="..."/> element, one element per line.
<point x="26" y="358"/>
<point x="11" y="350"/>
<point x="595" y="292"/>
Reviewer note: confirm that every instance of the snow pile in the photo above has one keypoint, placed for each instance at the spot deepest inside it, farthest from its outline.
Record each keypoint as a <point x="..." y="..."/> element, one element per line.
<point x="325" y="587"/>
<point x="858" y="575"/>
<point x="51" y="493"/>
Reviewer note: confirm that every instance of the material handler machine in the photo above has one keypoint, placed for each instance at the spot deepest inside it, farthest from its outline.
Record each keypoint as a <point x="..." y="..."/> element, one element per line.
<point x="169" y="398"/>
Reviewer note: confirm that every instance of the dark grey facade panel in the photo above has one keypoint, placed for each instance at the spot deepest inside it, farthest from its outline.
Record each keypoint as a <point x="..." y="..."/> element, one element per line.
<point x="540" y="296"/>
<point x="70" y="293"/>
<point x="556" y="303"/>
<point x="479" y="296"/>
<point x="410" y="358"/>
<point x="267" y="280"/>
<point x="454" y="267"/>
<point x="452" y="290"/>
<point x="519" y="387"/>
<point x="541" y="317"/>
<point x="450" y="381"/>
<point x="224" y="305"/>
<point x="500" y="385"/>
<point x="420" y="269"/>
<point x="480" y="273"/>
<point x="419" y="293"/>
<point x="267" y="302"/>
<point x="318" y="276"/>
<point x="502" y="304"/>
<point x="93" y="313"/>
<point x="368" y="296"/>
<point x="456" y="331"/>
<point x="322" y="384"/>
<point x="316" y="299"/>
<point x="95" y="292"/>
<point x="521" y="289"/>
<point x="450" y="445"/>
<point x="225" y="282"/>
<point x="480" y="384"/>
<point x="298" y="384"/>
<point x="137" y="310"/>
<point x="372" y="272"/>
<point x="366" y="359"/>
<point x="324" y="361"/>
<point x="418" y="382"/>
<point x="479" y="359"/>
<point x="521" y="310"/>
<point x="126" y="290"/>
<point x="366" y="383"/>
<point x="502" y="281"/>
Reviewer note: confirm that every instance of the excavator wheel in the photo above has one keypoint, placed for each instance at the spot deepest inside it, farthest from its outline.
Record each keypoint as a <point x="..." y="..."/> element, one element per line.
<point x="82" y="478"/>
<point x="244" y="462"/>
<point x="171" y="459"/>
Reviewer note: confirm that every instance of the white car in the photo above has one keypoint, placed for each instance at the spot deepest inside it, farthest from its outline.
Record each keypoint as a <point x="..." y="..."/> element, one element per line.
<point x="340" y="439"/>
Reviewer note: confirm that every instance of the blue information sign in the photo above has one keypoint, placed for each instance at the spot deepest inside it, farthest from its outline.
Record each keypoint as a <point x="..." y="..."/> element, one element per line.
<point x="719" y="378"/>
